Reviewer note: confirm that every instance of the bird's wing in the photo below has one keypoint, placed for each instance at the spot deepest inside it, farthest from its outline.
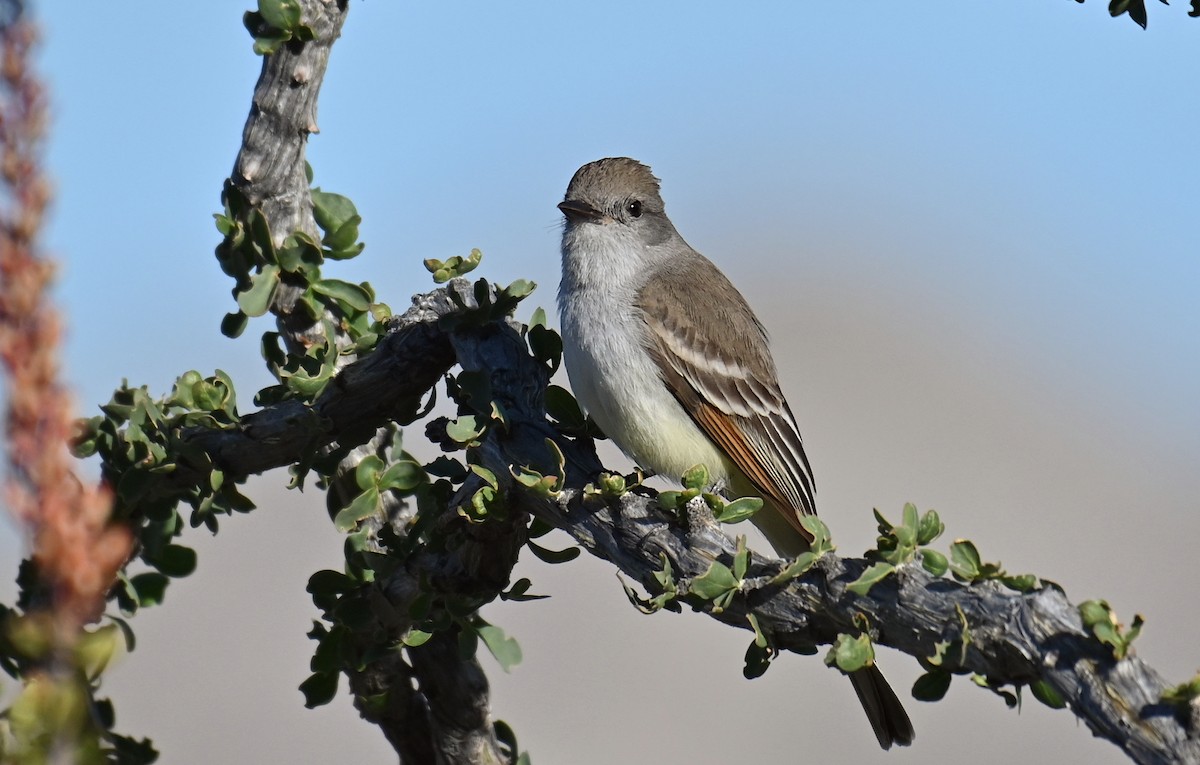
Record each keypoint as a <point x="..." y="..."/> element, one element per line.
<point x="712" y="354"/>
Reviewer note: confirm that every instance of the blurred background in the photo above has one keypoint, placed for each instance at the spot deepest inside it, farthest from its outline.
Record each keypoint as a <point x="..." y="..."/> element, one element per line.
<point x="970" y="228"/>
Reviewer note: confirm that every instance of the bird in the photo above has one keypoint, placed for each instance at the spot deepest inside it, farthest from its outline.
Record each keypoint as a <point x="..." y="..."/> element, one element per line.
<point x="669" y="360"/>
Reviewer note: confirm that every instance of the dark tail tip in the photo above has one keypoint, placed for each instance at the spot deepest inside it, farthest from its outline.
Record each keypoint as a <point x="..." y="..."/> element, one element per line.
<point x="888" y="718"/>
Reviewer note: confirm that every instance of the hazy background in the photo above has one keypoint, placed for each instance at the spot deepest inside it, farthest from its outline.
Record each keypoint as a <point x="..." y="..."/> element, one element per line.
<point x="970" y="227"/>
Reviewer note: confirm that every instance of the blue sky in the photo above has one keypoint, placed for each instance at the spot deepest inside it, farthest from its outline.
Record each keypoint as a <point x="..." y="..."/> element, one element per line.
<point x="993" y="204"/>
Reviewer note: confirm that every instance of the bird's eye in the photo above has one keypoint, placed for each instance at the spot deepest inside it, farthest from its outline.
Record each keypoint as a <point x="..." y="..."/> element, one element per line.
<point x="634" y="208"/>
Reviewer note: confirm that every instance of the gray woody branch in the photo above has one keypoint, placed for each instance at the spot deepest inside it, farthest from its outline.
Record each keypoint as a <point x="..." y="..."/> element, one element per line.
<point x="437" y="706"/>
<point x="437" y="703"/>
<point x="1014" y="638"/>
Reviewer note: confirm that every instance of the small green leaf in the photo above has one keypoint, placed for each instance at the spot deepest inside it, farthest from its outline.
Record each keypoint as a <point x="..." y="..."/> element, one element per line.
<point x="343" y="237"/>
<point x="563" y="407"/>
<point x="741" y="559"/>
<point x="929" y="528"/>
<point x="803" y="562"/>
<point x="366" y="473"/>
<point x="932" y="685"/>
<point x="1045" y="693"/>
<point x="965" y="562"/>
<point x="319" y="689"/>
<point x="331" y="211"/>
<point x="821" y="543"/>
<point x="505" y="650"/>
<point x="553" y="556"/>
<point x="670" y="500"/>
<point x="1021" y="582"/>
<point x="327" y="581"/>
<point x="175" y="561"/>
<point x="256" y="299"/>
<point x="546" y="345"/>
<point x="911" y="519"/>
<point x="872" y="576"/>
<point x="612" y="485"/>
<point x="267" y="44"/>
<point x="520" y="288"/>
<point x="234" y="324"/>
<point x="739" y="510"/>
<point x="464" y="430"/>
<point x="696" y="477"/>
<point x="363" y="506"/>
<point x="281" y="14"/>
<point x="851" y="654"/>
<point x="717" y="581"/>
<point x="404" y="475"/>
<point x="414" y="638"/>
<point x="151" y="588"/>
<point x="1184" y="694"/>
<point x="934" y="562"/>
<point x="519" y="591"/>
<point x="355" y="296"/>
<point x="757" y="662"/>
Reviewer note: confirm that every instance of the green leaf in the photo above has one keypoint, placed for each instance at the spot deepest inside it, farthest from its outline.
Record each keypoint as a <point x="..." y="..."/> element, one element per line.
<point x="929" y="528"/>
<point x="267" y="44"/>
<point x="328" y="581"/>
<point x="363" y="506"/>
<point x="612" y="485"/>
<point x="151" y="588"/>
<point x="757" y="662"/>
<point x="464" y="430"/>
<point x="803" y="562"/>
<point x="851" y="654"/>
<point x="670" y="500"/>
<point x="404" y="475"/>
<point x="344" y="236"/>
<point x="1100" y="619"/>
<point x="934" y="562"/>
<point x="696" y="477"/>
<point x="1021" y="582"/>
<point x="518" y="592"/>
<point x="1184" y="694"/>
<point x="546" y="345"/>
<point x="821" y="543"/>
<point x="739" y="510"/>
<point x="505" y="650"/>
<point x="353" y="295"/>
<point x="718" y="580"/>
<point x="965" y="562"/>
<point x="1045" y="693"/>
<point x="366" y="473"/>
<point x="909" y="524"/>
<point x="319" y="689"/>
<point x="175" y="561"/>
<point x="234" y="324"/>
<point x="872" y="576"/>
<point x="741" y="559"/>
<point x="331" y="211"/>
<point x="520" y="288"/>
<point x="932" y="685"/>
<point x="256" y="299"/>
<point x="281" y="14"/>
<point x="414" y="638"/>
<point x="553" y="556"/>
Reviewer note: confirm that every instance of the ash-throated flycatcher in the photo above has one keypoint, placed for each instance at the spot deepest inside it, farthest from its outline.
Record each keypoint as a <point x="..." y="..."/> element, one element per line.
<point x="666" y="356"/>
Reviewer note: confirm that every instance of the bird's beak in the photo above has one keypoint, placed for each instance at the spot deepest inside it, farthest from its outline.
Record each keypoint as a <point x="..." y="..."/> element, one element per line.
<point x="577" y="211"/>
